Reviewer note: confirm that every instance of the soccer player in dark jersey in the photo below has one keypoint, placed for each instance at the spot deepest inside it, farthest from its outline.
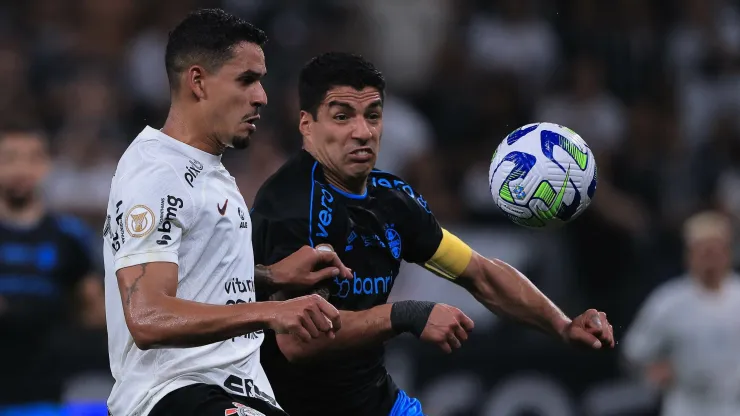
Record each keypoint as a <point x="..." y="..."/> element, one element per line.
<point x="329" y="196"/>
<point x="46" y="267"/>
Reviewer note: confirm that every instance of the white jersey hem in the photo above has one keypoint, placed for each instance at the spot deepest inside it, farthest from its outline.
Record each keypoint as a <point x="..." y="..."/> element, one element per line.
<point x="142" y="258"/>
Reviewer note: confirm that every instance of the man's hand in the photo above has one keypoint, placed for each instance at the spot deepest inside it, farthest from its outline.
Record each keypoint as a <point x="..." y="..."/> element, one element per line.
<point x="447" y="327"/>
<point x="590" y="329"/>
<point x="306" y="317"/>
<point x="306" y="267"/>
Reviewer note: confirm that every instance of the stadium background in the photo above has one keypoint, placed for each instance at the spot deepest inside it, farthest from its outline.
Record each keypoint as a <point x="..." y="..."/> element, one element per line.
<point x="653" y="87"/>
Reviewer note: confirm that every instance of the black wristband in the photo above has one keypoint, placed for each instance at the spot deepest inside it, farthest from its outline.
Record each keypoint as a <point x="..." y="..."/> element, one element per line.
<point x="411" y="316"/>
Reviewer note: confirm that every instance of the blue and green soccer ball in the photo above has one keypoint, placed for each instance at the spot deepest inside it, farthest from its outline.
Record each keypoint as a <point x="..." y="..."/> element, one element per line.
<point x="542" y="175"/>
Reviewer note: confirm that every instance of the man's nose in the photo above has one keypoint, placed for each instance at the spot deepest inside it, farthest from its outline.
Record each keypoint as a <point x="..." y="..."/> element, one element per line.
<point x="260" y="96"/>
<point x="362" y="130"/>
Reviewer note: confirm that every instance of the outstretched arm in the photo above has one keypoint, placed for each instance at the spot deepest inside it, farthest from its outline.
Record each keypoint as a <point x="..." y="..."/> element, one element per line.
<point x="432" y="322"/>
<point x="507" y="292"/>
<point x="362" y="329"/>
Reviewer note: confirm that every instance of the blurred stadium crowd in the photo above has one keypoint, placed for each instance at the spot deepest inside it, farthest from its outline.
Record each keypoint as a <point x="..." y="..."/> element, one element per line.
<point x="652" y="85"/>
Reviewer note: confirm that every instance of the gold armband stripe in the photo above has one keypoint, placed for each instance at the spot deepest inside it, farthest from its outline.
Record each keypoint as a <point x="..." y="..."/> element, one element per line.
<point x="451" y="258"/>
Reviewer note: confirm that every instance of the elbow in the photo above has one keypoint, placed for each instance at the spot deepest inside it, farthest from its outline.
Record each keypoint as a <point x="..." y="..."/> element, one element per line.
<point x="145" y="334"/>
<point x="479" y="277"/>
<point x="144" y="337"/>
<point x="143" y="344"/>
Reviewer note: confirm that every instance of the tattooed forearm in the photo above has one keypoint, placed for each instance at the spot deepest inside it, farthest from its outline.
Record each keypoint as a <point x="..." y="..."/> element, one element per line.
<point x="134" y="286"/>
<point x="263" y="276"/>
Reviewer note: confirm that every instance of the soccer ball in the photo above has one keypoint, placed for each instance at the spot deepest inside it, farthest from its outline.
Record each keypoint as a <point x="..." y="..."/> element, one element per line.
<point x="542" y="175"/>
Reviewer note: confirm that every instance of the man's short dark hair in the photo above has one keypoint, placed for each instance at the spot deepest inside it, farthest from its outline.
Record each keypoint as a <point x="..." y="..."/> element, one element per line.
<point x="207" y="37"/>
<point x="335" y="69"/>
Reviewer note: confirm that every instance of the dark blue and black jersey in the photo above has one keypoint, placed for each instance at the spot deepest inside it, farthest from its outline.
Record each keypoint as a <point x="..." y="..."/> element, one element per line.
<point x="40" y="265"/>
<point x="372" y="234"/>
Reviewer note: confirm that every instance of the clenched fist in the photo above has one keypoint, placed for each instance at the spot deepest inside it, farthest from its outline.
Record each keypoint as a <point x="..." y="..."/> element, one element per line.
<point x="590" y="329"/>
<point x="447" y="327"/>
<point x="306" y="317"/>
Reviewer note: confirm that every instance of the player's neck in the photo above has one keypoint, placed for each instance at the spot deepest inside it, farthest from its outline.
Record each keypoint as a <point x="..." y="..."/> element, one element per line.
<point x="185" y="129"/>
<point x="26" y="215"/>
<point x="349" y="185"/>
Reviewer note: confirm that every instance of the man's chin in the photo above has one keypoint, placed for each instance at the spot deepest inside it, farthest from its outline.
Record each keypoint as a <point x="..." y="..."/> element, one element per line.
<point x="241" y="142"/>
<point x="362" y="170"/>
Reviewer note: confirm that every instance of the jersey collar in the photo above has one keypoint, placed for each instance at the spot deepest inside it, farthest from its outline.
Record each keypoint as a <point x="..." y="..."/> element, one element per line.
<point x="186" y="149"/>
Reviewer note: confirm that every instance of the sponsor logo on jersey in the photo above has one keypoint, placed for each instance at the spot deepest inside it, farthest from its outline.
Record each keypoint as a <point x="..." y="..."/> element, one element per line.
<point x="139" y="221"/>
<point x="325" y="214"/>
<point x="243" y="224"/>
<point x="168" y="214"/>
<point x="192" y="171"/>
<point x="373" y="240"/>
<point x="394" y="241"/>
<point x="247" y="387"/>
<point x="119" y="221"/>
<point x="350" y="240"/>
<point x="379" y="285"/>
<point x="106" y="227"/>
<point x="117" y="237"/>
<point x="222" y="210"/>
<point x="242" y="410"/>
<point x="400" y="185"/>
<point x="234" y="285"/>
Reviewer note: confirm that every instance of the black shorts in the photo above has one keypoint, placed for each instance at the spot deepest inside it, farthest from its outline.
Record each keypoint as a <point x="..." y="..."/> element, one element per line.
<point x="210" y="400"/>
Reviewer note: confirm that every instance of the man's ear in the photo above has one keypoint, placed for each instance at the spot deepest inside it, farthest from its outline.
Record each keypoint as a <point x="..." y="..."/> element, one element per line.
<point x="305" y="125"/>
<point x="195" y="81"/>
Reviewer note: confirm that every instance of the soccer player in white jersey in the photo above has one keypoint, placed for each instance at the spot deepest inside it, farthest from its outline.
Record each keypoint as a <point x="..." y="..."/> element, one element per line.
<point x="686" y="337"/>
<point x="184" y="329"/>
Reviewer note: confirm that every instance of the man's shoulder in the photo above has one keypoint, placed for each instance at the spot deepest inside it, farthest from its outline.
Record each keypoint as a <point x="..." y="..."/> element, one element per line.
<point x="382" y="182"/>
<point x="390" y="187"/>
<point x="147" y="163"/>
<point x="288" y="192"/>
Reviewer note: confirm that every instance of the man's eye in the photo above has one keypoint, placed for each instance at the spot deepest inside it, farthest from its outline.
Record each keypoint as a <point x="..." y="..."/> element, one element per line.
<point x="341" y="117"/>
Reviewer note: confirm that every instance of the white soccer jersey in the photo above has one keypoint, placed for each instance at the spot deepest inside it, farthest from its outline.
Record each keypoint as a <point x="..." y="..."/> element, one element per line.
<point x="699" y="334"/>
<point x="170" y="202"/>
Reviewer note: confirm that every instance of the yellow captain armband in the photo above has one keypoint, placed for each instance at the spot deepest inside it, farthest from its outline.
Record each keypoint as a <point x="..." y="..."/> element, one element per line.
<point x="451" y="258"/>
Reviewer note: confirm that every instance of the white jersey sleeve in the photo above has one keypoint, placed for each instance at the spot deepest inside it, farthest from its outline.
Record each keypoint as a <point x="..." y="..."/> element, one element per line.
<point x="153" y="210"/>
